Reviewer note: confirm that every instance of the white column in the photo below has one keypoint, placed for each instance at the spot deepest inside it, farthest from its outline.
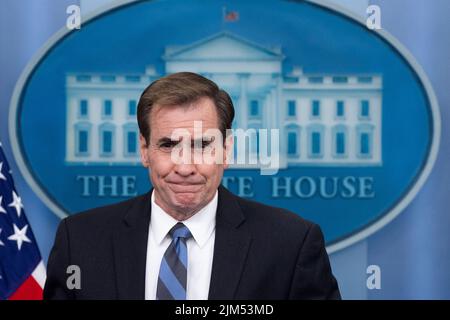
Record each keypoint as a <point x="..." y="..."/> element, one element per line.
<point x="268" y="115"/>
<point x="95" y="110"/>
<point x="72" y="111"/>
<point x="279" y="117"/>
<point x="267" y="112"/>
<point x="119" y="109"/>
<point x="243" y="100"/>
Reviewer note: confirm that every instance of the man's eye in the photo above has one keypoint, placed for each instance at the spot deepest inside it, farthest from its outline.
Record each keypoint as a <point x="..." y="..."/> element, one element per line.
<point x="204" y="144"/>
<point x="166" y="145"/>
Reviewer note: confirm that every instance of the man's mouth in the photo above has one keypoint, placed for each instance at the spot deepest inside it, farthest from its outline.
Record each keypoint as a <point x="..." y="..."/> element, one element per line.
<point x="185" y="187"/>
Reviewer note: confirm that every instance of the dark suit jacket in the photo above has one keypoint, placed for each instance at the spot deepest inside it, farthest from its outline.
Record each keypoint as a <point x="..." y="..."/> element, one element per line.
<point x="260" y="252"/>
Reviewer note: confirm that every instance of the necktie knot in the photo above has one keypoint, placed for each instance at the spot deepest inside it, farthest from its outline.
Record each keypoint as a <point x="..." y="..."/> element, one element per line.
<point x="180" y="231"/>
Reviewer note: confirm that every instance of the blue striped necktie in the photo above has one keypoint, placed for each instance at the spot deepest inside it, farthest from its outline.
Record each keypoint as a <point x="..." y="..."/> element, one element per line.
<point x="172" y="277"/>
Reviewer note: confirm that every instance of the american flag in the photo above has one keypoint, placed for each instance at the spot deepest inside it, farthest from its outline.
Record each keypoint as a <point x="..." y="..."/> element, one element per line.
<point x="22" y="272"/>
<point x="230" y="16"/>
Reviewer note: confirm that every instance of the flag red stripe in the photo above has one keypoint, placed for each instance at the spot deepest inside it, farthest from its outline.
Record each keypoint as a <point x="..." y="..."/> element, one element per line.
<point x="29" y="290"/>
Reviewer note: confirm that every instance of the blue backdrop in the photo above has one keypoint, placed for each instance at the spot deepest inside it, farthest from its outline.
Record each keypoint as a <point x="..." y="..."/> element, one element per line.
<point x="411" y="251"/>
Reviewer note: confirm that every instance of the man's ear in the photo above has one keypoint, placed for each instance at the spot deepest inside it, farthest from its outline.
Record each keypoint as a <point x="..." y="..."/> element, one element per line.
<point x="143" y="148"/>
<point x="227" y="155"/>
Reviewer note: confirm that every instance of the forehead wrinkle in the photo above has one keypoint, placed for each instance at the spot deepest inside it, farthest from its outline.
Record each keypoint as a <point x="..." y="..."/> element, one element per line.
<point x="168" y="125"/>
<point x="164" y="119"/>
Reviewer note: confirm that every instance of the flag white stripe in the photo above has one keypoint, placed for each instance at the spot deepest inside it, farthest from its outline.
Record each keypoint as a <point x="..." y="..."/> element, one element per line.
<point x="39" y="274"/>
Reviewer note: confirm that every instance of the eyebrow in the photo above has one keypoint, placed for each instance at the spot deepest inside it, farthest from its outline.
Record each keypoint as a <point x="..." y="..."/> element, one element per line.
<point x="168" y="140"/>
<point x="208" y="139"/>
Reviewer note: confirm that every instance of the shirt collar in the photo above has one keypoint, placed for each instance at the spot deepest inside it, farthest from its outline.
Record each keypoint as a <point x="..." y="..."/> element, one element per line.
<point x="201" y="224"/>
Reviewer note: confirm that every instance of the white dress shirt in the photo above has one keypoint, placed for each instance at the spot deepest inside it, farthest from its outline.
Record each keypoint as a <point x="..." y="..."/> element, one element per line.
<point x="200" y="248"/>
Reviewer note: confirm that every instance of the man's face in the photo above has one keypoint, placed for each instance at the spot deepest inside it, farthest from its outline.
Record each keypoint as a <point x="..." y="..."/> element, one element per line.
<point x="183" y="187"/>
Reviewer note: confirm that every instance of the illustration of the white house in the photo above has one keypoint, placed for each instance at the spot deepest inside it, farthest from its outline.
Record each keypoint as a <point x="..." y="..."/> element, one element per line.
<point x="324" y="119"/>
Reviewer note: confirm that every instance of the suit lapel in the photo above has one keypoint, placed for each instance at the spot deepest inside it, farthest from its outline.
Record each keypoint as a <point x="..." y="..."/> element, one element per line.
<point x="230" y="248"/>
<point x="130" y="249"/>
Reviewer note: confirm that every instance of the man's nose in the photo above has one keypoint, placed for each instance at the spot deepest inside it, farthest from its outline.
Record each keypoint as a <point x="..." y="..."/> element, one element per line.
<point x="185" y="169"/>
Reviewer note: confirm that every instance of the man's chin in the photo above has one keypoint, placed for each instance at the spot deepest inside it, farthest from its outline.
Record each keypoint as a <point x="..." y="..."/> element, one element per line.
<point x="186" y="200"/>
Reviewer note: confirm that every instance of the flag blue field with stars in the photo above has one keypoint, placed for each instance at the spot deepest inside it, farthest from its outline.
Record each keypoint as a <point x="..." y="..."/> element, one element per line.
<point x="22" y="273"/>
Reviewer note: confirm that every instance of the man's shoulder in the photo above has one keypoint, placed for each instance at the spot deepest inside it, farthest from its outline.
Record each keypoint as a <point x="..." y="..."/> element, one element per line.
<point x="272" y="217"/>
<point x="104" y="216"/>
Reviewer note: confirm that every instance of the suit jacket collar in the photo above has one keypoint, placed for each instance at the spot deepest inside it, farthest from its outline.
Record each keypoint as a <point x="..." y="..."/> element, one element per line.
<point x="230" y="248"/>
<point x="130" y="249"/>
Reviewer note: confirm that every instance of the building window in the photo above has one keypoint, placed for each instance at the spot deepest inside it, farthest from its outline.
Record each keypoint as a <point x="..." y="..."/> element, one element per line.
<point x="315" y="141"/>
<point x="107" y="78"/>
<point x="251" y="141"/>
<point x="365" y="79"/>
<point x="288" y="79"/>
<point x="365" y="109"/>
<point x="254" y="141"/>
<point x="339" y="134"/>
<point x="315" y="79"/>
<point x="107" y="140"/>
<point x="83" y="78"/>
<point x="364" y="145"/>
<point x="340" y="110"/>
<point x="292" y="108"/>
<point x="132" y="108"/>
<point x="83" y="109"/>
<point x="292" y="139"/>
<point x="132" y="78"/>
<point x="107" y="109"/>
<point x="364" y="135"/>
<point x="340" y="79"/>
<point x="340" y="143"/>
<point x="130" y="139"/>
<point x="292" y="143"/>
<point x="315" y="111"/>
<point x="82" y="139"/>
<point x="254" y="108"/>
<point x="131" y="142"/>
